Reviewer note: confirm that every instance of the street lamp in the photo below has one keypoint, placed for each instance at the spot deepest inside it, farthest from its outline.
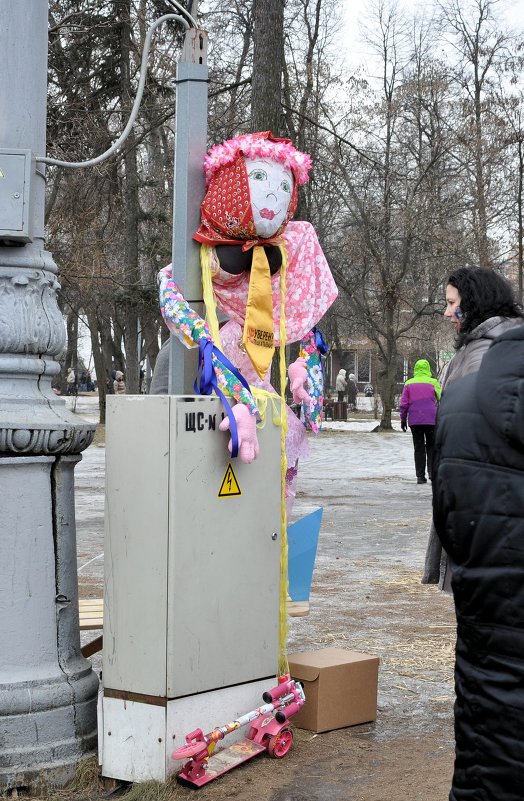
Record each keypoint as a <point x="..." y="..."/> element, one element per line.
<point x="48" y="691"/>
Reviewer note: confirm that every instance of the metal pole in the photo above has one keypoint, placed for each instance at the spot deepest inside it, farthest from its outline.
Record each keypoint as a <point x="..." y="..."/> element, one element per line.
<point x="189" y="189"/>
<point x="48" y="691"/>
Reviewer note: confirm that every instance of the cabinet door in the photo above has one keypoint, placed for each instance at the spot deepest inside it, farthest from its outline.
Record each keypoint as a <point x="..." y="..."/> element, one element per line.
<point x="224" y="553"/>
<point x="136" y="543"/>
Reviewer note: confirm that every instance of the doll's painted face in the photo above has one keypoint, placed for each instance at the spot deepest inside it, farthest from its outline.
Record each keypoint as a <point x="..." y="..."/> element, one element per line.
<point x="270" y="189"/>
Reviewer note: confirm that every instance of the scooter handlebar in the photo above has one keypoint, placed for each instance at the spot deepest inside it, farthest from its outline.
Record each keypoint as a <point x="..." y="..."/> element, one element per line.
<point x="270" y="696"/>
<point x="284" y="714"/>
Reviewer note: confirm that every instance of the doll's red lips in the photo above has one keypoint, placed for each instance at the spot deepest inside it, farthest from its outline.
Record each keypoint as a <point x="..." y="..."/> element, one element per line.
<point x="267" y="214"/>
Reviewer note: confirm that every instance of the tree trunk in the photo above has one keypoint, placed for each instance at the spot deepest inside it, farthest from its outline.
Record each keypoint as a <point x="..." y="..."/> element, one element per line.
<point x="268" y="61"/>
<point x="117" y="342"/>
<point x="72" y="339"/>
<point x="106" y="342"/>
<point x="150" y="332"/>
<point x="266" y="86"/>
<point x="100" y="364"/>
<point x="388" y="374"/>
<point x="480" y="182"/>
<point x="388" y="386"/>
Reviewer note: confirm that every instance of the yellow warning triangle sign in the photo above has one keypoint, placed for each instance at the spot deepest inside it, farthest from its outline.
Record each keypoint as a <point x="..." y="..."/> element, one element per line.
<point x="229" y="484"/>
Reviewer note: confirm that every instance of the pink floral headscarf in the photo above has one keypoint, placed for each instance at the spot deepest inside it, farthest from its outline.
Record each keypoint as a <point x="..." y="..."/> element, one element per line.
<point x="227" y="217"/>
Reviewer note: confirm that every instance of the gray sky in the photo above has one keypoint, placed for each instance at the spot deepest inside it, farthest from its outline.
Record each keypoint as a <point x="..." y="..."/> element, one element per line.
<point x="511" y="13"/>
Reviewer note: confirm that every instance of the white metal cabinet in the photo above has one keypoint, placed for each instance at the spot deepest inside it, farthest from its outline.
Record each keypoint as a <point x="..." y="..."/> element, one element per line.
<point x="191" y="578"/>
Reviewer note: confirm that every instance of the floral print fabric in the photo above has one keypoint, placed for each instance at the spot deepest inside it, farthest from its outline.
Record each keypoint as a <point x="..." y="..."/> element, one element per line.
<point x="313" y="410"/>
<point x="310" y="287"/>
<point x="190" y="329"/>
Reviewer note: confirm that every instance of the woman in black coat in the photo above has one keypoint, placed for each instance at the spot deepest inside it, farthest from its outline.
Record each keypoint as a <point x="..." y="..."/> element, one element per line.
<point x="480" y="305"/>
<point x="478" y="508"/>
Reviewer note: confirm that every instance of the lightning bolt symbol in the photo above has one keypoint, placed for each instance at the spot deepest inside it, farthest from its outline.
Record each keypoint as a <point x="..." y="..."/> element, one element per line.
<point x="228" y="480"/>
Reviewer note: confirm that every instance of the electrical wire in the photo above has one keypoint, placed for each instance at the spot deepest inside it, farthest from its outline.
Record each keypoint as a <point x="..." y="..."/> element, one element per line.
<point x="136" y="105"/>
<point x="176" y="4"/>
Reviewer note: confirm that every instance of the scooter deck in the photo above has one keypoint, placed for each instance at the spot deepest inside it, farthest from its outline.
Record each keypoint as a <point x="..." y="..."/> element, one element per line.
<point x="225" y="760"/>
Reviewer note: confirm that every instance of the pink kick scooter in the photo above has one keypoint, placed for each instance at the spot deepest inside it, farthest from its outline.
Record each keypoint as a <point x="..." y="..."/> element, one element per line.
<point x="269" y="731"/>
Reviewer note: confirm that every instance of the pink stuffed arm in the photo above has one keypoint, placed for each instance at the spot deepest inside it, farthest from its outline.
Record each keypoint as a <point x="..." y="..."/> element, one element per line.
<point x="248" y="448"/>
<point x="298" y="380"/>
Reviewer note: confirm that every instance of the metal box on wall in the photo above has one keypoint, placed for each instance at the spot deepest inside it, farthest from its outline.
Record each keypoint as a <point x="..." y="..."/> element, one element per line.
<point x="192" y="551"/>
<point x="15" y="195"/>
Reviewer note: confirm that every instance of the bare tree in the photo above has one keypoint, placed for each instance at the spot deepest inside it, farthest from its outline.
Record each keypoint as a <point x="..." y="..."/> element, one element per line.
<point x="393" y="243"/>
<point x="111" y="225"/>
<point x="230" y="26"/>
<point x="416" y="169"/>
<point x="482" y="50"/>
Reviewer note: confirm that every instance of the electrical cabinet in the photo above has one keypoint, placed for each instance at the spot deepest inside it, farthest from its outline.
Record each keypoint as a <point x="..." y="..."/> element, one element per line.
<point x="192" y="579"/>
<point x="192" y="551"/>
<point x="15" y="195"/>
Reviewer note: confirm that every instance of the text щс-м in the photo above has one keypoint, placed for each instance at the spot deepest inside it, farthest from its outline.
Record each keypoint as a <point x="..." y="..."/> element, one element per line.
<point x="200" y="421"/>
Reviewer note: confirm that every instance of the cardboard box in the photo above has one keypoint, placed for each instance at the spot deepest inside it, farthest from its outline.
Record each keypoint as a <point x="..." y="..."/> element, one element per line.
<point x="340" y="687"/>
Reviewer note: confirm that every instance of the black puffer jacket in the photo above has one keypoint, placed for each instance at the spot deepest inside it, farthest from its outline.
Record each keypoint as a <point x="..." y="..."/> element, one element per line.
<point x="478" y="507"/>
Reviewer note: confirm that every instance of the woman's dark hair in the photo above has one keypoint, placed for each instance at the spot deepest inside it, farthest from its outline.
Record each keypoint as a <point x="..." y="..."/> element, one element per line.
<point x="483" y="294"/>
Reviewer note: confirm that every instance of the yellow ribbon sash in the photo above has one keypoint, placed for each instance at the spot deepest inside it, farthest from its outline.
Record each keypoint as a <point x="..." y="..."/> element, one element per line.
<point x="258" y="338"/>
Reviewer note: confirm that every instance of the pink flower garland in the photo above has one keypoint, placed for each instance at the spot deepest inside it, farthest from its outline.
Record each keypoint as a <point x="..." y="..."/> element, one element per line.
<point x="258" y="145"/>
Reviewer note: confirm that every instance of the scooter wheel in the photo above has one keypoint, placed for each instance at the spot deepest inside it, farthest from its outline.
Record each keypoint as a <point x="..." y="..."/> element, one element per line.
<point x="280" y="744"/>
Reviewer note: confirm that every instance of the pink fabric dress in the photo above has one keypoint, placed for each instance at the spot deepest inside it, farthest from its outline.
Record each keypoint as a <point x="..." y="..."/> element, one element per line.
<point x="310" y="287"/>
<point x="310" y="291"/>
<point x="297" y="445"/>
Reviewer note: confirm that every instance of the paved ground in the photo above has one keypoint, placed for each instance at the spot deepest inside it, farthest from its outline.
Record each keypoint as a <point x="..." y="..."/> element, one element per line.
<point x="367" y="597"/>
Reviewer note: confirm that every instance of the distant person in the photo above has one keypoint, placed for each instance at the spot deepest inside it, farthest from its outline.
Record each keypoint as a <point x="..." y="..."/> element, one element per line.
<point x="119" y="385"/>
<point x="71" y="380"/>
<point x="352" y="391"/>
<point x="478" y="508"/>
<point x="369" y="391"/>
<point x="159" y="379"/>
<point x="341" y="385"/>
<point x="418" y="409"/>
<point x="83" y="381"/>
<point x="480" y="305"/>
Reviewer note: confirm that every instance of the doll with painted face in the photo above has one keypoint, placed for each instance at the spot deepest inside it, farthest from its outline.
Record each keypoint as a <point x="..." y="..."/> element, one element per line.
<point x="264" y="267"/>
<point x="265" y="272"/>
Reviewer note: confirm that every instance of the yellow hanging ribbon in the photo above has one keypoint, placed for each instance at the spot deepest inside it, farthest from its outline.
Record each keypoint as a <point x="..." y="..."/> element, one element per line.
<point x="258" y="338"/>
<point x="210" y="300"/>
<point x="283" y="665"/>
<point x="263" y="397"/>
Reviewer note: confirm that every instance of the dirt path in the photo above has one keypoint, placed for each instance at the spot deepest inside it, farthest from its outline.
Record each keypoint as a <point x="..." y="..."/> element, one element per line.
<point x="366" y="597"/>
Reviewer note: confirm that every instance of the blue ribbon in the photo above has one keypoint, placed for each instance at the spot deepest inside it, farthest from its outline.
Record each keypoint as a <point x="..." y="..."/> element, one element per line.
<point x="206" y="383"/>
<point x="320" y="342"/>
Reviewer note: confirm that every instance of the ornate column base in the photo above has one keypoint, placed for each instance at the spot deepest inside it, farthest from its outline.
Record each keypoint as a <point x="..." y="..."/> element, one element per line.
<point x="33" y="420"/>
<point x="48" y="691"/>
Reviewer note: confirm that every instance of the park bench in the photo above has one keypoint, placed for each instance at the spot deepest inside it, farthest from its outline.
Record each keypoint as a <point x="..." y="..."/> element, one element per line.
<point x="91" y="617"/>
<point x="335" y="410"/>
